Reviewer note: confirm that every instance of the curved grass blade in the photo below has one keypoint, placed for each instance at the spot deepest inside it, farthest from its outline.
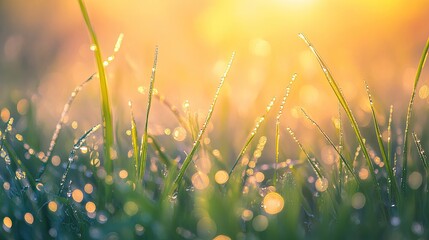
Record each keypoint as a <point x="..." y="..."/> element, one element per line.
<point x="72" y="155"/>
<point x="143" y="147"/>
<point x="58" y="128"/>
<point x="277" y="143"/>
<point x="314" y="163"/>
<point x="394" y="191"/>
<point x="344" y="161"/>
<point x="321" y="178"/>
<point x="409" y="114"/>
<point x="134" y="140"/>
<point x="197" y="142"/>
<point x="347" y="109"/>
<point x="421" y="151"/>
<point x="252" y="135"/>
<point x="105" y="103"/>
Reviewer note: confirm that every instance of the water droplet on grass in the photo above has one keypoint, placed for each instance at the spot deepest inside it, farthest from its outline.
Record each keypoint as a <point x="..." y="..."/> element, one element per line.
<point x="321" y="184"/>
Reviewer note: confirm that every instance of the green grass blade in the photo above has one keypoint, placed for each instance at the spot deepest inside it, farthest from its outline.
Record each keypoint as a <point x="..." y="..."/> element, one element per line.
<point x="105" y="103"/>
<point x="346" y="108"/>
<point x="252" y="135"/>
<point x="340" y="148"/>
<point x="407" y="123"/>
<point x="4" y="153"/>
<point x="421" y="151"/>
<point x="197" y="142"/>
<point x="338" y="93"/>
<point x="344" y="161"/>
<point x="394" y="191"/>
<point x="314" y="163"/>
<point x="15" y="159"/>
<point x="277" y="136"/>
<point x="143" y="147"/>
<point x="58" y="128"/>
<point x="72" y="155"/>
<point x="134" y="140"/>
<point x="389" y="137"/>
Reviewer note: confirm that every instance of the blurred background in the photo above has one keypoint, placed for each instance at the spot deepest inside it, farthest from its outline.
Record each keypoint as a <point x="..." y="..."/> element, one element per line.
<point x="45" y="53"/>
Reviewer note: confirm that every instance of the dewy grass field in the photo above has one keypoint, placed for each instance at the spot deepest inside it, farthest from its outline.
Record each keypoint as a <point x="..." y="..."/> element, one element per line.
<point x="188" y="183"/>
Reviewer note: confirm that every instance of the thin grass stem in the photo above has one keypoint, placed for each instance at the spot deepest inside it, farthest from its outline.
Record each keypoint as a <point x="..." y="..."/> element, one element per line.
<point x="408" y="121"/>
<point x="313" y="162"/>
<point x="105" y="103"/>
<point x="143" y="147"/>
<point x="394" y="191"/>
<point x="252" y="135"/>
<point x="344" y="161"/>
<point x="197" y="141"/>
<point x="72" y="155"/>
<point x="134" y="140"/>
<point x="46" y="159"/>
<point x="277" y="134"/>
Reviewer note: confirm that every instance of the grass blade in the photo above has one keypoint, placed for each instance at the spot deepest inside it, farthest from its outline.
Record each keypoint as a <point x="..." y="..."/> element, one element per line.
<point x="134" y="140"/>
<point x="277" y="143"/>
<point x="344" y="161"/>
<point x="390" y="177"/>
<point x="105" y="103"/>
<point x="339" y="126"/>
<point x="143" y="148"/>
<point x="346" y="108"/>
<point x="389" y="134"/>
<point x="350" y="116"/>
<point x="252" y="135"/>
<point x="421" y="151"/>
<point x="58" y="128"/>
<point x="72" y="154"/>
<point x="4" y="154"/>
<point x="21" y="169"/>
<point x="197" y="142"/>
<point x="407" y="123"/>
<point x="314" y="163"/>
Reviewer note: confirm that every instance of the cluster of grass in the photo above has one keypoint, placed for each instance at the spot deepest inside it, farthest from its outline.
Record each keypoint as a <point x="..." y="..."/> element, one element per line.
<point x="145" y="193"/>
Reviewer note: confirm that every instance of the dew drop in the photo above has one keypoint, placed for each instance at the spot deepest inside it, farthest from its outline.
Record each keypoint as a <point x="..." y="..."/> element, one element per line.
<point x="93" y="47"/>
<point x="321" y="184"/>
